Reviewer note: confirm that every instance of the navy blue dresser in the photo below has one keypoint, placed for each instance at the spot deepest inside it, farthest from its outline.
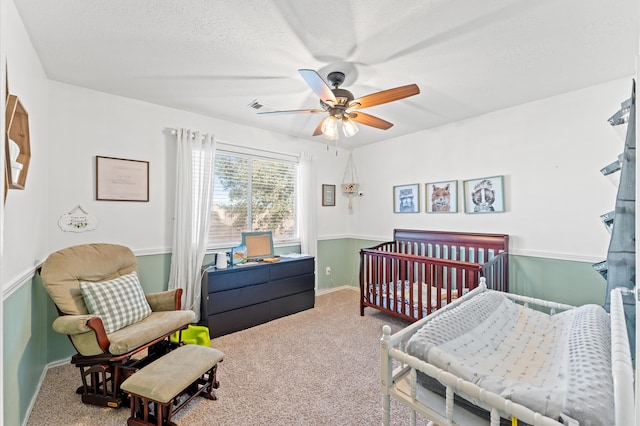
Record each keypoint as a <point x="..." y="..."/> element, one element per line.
<point x="240" y="297"/>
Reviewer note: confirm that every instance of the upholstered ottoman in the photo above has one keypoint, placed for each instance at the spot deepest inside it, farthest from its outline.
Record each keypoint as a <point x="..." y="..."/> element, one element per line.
<point x="156" y="390"/>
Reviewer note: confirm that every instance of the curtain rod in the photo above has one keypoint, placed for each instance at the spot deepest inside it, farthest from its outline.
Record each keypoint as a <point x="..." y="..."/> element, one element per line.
<point x="174" y="132"/>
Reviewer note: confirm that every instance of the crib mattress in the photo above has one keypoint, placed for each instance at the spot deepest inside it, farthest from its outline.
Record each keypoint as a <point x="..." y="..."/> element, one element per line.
<point x="555" y="365"/>
<point x="438" y="299"/>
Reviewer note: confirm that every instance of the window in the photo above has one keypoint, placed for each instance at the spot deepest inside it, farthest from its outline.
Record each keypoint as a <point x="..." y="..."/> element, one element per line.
<point x="253" y="193"/>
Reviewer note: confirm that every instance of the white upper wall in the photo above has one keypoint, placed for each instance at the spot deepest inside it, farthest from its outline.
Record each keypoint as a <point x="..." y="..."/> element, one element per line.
<point x="24" y="214"/>
<point x="86" y="123"/>
<point x="550" y="153"/>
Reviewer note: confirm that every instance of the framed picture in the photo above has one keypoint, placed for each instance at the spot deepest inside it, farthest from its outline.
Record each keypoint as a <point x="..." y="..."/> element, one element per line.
<point x="406" y="198"/>
<point x="238" y="255"/>
<point x="484" y="195"/>
<point x="118" y="179"/>
<point x="442" y="197"/>
<point x="328" y="195"/>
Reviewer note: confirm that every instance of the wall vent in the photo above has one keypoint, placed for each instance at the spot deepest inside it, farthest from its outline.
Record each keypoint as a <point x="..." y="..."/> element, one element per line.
<point x="259" y="106"/>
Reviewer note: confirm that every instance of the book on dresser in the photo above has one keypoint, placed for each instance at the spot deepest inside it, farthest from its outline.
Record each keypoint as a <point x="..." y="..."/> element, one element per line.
<point x="240" y="297"/>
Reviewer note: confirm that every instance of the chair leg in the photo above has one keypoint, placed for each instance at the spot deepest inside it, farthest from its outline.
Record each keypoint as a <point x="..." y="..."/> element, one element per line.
<point x="97" y="379"/>
<point x="84" y="388"/>
<point x="99" y="385"/>
<point x="102" y="376"/>
<point x="210" y="383"/>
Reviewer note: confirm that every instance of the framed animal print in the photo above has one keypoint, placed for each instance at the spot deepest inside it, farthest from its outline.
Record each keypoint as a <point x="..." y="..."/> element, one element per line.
<point x="484" y="195"/>
<point x="442" y="197"/>
<point x="406" y="198"/>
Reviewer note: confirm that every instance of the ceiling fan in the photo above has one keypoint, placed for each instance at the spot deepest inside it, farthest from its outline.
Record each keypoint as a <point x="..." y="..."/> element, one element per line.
<point x="342" y="106"/>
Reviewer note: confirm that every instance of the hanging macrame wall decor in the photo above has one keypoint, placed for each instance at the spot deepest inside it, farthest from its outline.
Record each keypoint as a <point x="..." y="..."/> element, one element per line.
<point x="349" y="181"/>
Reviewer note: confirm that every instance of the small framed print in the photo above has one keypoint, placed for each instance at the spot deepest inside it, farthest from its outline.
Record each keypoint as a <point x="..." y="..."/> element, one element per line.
<point x="328" y="195"/>
<point x="442" y="197"/>
<point x="118" y="179"/>
<point x="484" y="195"/>
<point x="406" y="198"/>
<point x="238" y="255"/>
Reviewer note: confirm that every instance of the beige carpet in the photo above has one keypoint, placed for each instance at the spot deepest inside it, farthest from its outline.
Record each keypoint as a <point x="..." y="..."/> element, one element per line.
<point x="317" y="367"/>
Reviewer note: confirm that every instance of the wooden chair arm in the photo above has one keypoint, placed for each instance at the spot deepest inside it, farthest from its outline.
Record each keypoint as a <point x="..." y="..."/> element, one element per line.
<point x="178" y="299"/>
<point x="96" y="325"/>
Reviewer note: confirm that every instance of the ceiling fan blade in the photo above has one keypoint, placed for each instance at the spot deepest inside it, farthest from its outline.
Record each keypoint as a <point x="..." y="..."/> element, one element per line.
<point x="318" y="85"/>
<point x="385" y="96"/>
<point x="318" y="130"/>
<point x="370" y="120"/>
<point x="294" y="111"/>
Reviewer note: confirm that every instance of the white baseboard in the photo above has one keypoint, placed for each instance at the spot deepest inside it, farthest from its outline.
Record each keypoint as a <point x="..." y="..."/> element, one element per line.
<point x="58" y="363"/>
<point x="332" y="289"/>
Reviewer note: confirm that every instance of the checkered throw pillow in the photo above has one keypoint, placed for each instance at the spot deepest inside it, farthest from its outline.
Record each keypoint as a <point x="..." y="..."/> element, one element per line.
<point x="118" y="302"/>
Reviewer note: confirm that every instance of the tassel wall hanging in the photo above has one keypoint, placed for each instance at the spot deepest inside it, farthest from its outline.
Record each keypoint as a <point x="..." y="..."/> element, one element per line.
<point x="350" y="184"/>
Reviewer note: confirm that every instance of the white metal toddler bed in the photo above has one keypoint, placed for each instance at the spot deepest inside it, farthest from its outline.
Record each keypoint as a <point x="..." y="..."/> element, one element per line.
<point x="484" y="359"/>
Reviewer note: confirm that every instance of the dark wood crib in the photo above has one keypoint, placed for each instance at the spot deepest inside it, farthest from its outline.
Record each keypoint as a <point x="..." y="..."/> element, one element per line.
<point x="421" y="271"/>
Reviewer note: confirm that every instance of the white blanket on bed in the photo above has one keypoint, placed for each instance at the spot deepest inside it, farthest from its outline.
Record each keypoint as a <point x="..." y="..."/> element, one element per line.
<point x="551" y="364"/>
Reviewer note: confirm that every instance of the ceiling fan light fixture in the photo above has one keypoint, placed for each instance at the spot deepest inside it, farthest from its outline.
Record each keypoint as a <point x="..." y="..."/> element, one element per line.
<point x="339" y="104"/>
<point x="349" y="127"/>
<point x="330" y="128"/>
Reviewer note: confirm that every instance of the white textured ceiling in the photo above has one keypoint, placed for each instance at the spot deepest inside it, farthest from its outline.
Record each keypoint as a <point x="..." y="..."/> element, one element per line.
<point x="468" y="57"/>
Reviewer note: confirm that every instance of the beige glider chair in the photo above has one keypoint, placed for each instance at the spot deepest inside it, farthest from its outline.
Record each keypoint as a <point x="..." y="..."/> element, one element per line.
<point x="115" y="328"/>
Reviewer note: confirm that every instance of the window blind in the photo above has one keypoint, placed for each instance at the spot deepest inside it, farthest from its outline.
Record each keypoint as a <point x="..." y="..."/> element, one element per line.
<point x="252" y="193"/>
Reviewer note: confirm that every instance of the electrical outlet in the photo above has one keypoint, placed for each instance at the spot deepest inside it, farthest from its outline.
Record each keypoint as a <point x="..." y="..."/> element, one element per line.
<point x="328" y="270"/>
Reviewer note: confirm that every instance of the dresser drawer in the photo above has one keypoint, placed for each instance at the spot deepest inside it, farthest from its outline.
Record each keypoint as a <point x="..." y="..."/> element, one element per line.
<point x="291" y="304"/>
<point x="238" y="319"/>
<point x="237" y="298"/>
<point x="285" y="269"/>
<point x="292" y="285"/>
<point x="239" y="276"/>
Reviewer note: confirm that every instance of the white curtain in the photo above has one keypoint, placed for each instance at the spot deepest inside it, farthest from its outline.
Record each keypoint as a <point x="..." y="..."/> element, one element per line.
<point x="307" y="210"/>
<point x="194" y="191"/>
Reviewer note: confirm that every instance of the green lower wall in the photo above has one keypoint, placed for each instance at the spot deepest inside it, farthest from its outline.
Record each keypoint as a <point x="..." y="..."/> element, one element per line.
<point x="25" y="349"/>
<point x="30" y="344"/>
<point x="562" y="281"/>
<point x="154" y="272"/>
<point x="342" y="256"/>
